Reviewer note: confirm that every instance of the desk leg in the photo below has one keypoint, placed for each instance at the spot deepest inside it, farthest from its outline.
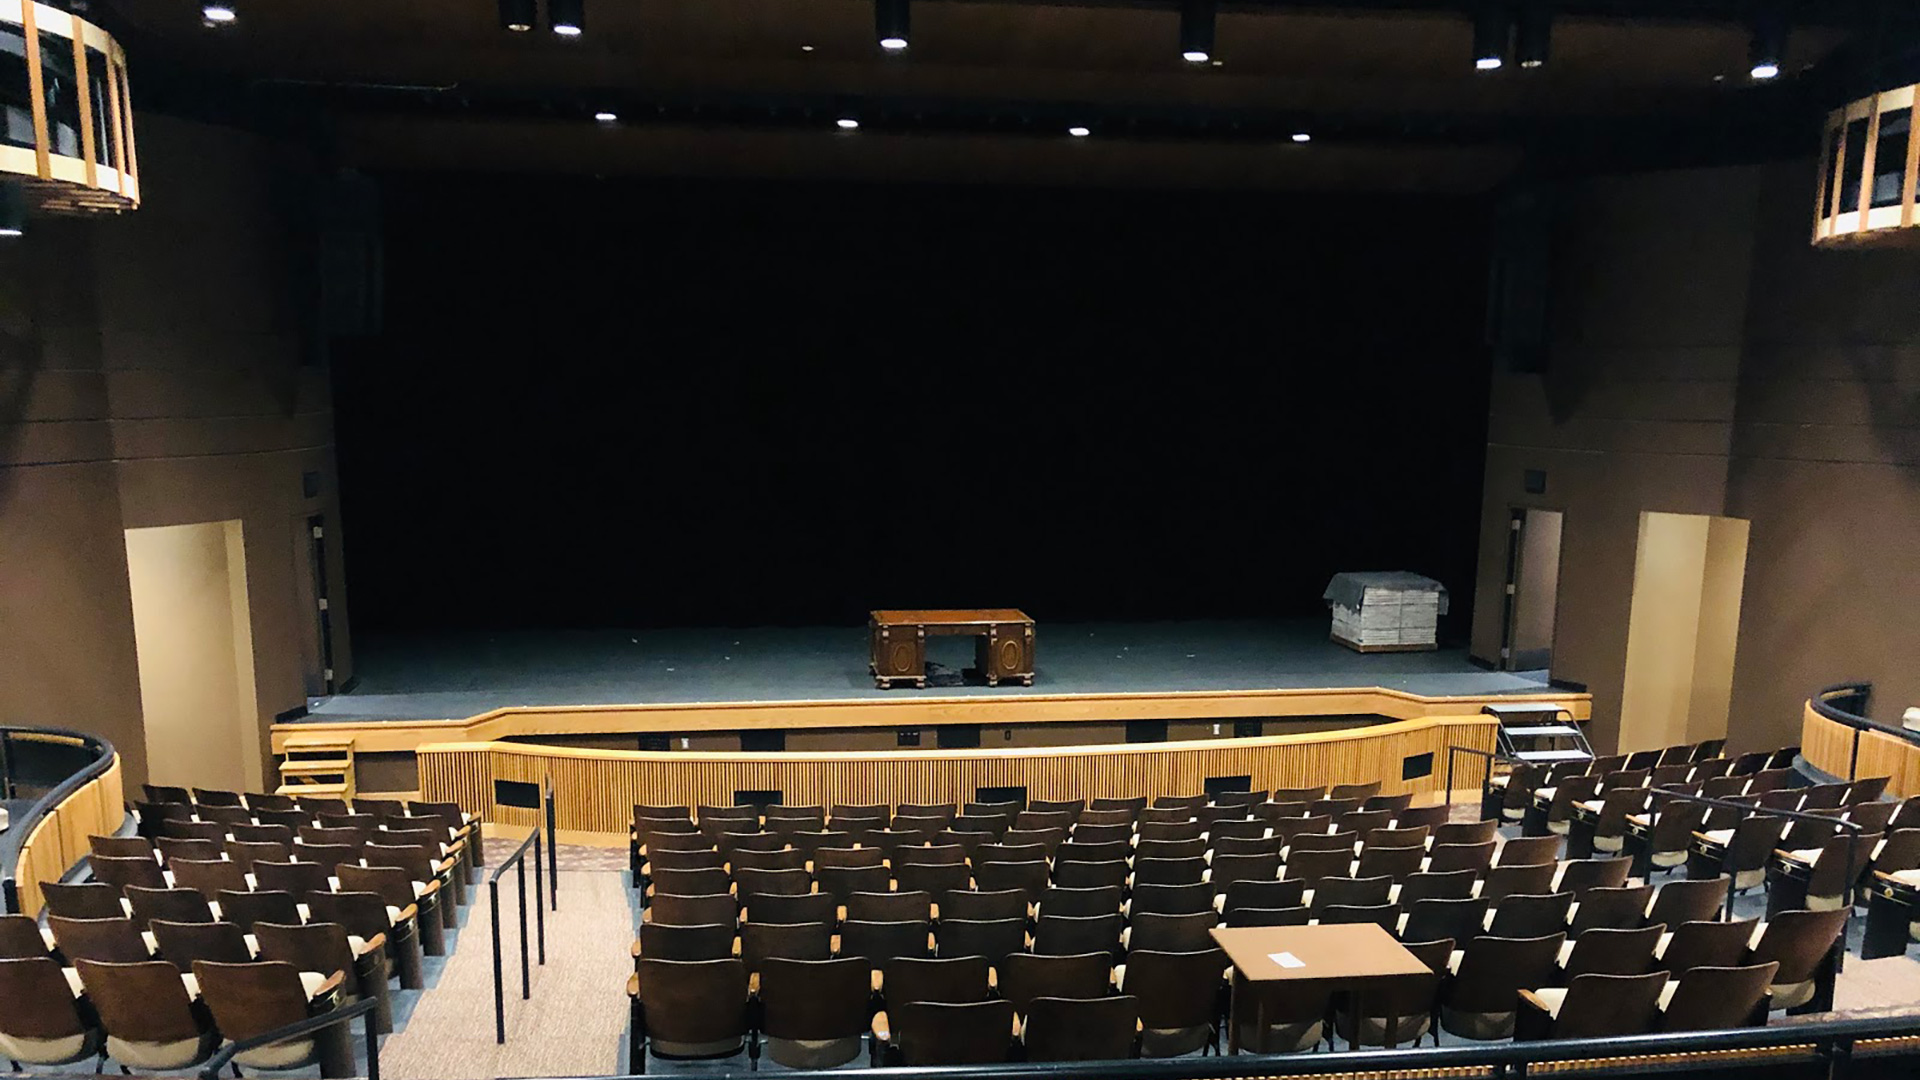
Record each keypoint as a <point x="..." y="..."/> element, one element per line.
<point x="1357" y="1004"/>
<point x="1235" y="1002"/>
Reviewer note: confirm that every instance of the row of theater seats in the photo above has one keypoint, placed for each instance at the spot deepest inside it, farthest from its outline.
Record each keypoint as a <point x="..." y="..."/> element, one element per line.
<point x="743" y="904"/>
<point x="210" y="923"/>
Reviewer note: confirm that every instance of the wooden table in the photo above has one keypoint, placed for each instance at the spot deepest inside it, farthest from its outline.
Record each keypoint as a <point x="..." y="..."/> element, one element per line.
<point x="1355" y="958"/>
<point x="899" y="643"/>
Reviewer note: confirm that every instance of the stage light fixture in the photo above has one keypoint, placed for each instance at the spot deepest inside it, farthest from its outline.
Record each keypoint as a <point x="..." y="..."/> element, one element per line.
<point x="1302" y="137"/>
<point x="606" y="116"/>
<point x="1079" y="132"/>
<point x="13" y="210"/>
<point x="890" y="24"/>
<point x="1534" y="34"/>
<point x="1492" y="34"/>
<point x="219" y="14"/>
<point x="846" y="123"/>
<point x="518" y="15"/>
<point x="569" y="17"/>
<point x="1767" y="45"/>
<point x="1196" y="30"/>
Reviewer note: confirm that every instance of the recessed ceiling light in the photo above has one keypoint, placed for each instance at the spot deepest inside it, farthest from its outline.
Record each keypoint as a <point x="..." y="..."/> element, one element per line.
<point x="1488" y="63"/>
<point x="219" y="14"/>
<point x="1194" y="56"/>
<point x="567" y="30"/>
<point x="894" y="44"/>
<point x="606" y="116"/>
<point x="518" y="16"/>
<point x="1302" y="137"/>
<point x="1763" y="72"/>
<point x="1079" y="132"/>
<point x="846" y="123"/>
<point x="806" y="48"/>
<point x="9" y="230"/>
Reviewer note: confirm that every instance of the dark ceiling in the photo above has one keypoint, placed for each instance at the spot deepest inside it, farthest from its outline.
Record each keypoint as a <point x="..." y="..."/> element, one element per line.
<point x="988" y="87"/>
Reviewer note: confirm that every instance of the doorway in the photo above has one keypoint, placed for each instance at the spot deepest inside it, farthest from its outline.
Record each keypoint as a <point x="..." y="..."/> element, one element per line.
<point x="193" y="637"/>
<point x="1533" y="589"/>
<point x="310" y="577"/>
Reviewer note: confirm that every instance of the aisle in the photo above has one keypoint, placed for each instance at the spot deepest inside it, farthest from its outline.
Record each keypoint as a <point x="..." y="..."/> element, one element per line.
<point x="577" y="1018"/>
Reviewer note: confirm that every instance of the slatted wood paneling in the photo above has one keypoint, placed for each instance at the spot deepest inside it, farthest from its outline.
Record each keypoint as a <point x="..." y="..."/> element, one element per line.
<point x="595" y="790"/>
<point x="1827" y="746"/>
<point x="59" y="840"/>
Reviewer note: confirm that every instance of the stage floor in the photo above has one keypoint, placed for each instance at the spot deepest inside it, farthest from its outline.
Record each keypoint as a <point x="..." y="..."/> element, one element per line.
<point x="457" y="675"/>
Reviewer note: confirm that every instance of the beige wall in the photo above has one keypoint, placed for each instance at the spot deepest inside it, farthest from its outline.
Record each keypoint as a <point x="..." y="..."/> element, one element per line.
<point x="151" y="374"/>
<point x="1688" y="571"/>
<point x="1707" y="360"/>
<point x="195" y="647"/>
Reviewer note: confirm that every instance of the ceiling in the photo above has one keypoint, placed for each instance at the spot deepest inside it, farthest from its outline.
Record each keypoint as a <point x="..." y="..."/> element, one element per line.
<point x="728" y="86"/>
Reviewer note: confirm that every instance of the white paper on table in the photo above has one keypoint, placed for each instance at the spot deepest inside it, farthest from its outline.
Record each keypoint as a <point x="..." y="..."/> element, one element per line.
<point x="1286" y="960"/>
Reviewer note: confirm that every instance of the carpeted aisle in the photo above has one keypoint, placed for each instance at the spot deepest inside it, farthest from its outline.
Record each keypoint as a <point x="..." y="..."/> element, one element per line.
<point x="577" y="1017"/>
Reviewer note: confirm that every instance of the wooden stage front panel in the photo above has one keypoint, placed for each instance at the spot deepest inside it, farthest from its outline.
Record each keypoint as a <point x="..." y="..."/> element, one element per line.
<point x="1827" y="745"/>
<point x="907" y="711"/>
<point x="596" y="790"/>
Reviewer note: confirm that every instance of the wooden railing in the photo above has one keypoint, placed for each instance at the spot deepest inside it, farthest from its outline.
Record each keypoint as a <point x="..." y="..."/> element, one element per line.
<point x="596" y="790"/>
<point x="1838" y="738"/>
<point x="88" y="803"/>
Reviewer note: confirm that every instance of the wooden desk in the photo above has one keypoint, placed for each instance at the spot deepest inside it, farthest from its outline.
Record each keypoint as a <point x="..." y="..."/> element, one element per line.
<point x="1354" y="958"/>
<point x="898" y="641"/>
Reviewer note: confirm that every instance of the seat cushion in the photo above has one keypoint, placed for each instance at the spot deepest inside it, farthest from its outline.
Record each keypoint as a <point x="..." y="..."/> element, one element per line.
<point x="1554" y="997"/>
<point x="55" y="1051"/>
<point x="813" y="1053"/>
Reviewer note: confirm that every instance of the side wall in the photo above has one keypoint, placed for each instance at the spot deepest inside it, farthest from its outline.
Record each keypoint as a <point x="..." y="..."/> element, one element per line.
<point x="1707" y="360"/>
<point x="156" y="369"/>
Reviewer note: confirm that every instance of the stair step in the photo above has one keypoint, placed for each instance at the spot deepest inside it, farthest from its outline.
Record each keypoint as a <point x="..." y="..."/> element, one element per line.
<point x="309" y="745"/>
<point x="1542" y="730"/>
<point x="1525" y="708"/>
<point x="316" y="766"/>
<point x="1553" y="755"/>
<point x="311" y="789"/>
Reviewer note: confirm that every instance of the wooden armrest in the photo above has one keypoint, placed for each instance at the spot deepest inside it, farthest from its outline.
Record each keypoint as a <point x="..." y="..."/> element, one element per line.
<point x="332" y="984"/>
<point x="431" y="887"/>
<point x="376" y="942"/>
<point x="635" y="949"/>
<point x="1530" y="998"/>
<point x="633" y="985"/>
<point x="411" y="911"/>
<point x="882" y="1027"/>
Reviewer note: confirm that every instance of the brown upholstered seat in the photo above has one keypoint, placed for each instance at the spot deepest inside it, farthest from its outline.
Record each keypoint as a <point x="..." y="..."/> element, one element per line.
<point x="326" y="948"/>
<point x="84" y="900"/>
<point x="931" y="1033"/>
<point x="990" y="939"/>
<point x="814" y="1012"/>
<point x="178" y="905"/>
<point x="1800" y="941"/>
<point x="42" y="1024"/>
<point x="1170" y="933"/>
<point x="151" y="1023"/>
<point x="183" y="943"/>
<point x="693" y="910"/>
<point x="1481" y="1000"/>
<point x="1716" y="998"/>
<point x="251" y="999"/>
<point x="1081" y="1029"/>
<point x="107" y="940"/>
<point x="689" y="1009"/>
<point x="1592" y="1007"/>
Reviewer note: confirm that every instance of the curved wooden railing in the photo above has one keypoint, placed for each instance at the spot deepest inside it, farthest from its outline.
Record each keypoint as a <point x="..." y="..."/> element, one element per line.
<point x="1837" y="737"/>
<point x="595" y="790"/>
<point x="55" y="828"/>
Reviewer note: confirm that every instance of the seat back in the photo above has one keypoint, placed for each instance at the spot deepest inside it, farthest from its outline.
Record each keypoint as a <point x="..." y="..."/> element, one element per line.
<point x="980" y="904"/>
<point x="1282" y="893"/>
<point x="123" y="870"/>
<point x="1298" y="915"/>
<point x="184" y="944"/>
<point x="1528" y="879"/>
<point x="1716" y="998"/>
<point x="694" y="910"/>
<point x="696" y="1002"/>
<point x="1025" y="976"/>
<point x="1068" y="935"/>
<point x="1613" y="952"/>
<point x="882" y="942"/>
<point x="1527" y="851"/>
<point x="1600" y="1006"/>
<point x="315" y="946"/>
<point x="1494" y="970"/>
<point x="1349" y="891"/>
<point x="815" y="1000"/>
<point x="665" y="941"/>
<point x="249" y="999"/>
<point x="39" y="1004"/>
<point x="763" y="941"/>
<point x="1707" y="943"/>
<point x="1531" y="915"/>
<point x="1688" y="900"/>
<point x="1428" y="885"/>
<point x="932" y="1033"/>
<point x="1445" y="857"/>
<point x="178" y="905"/>
<point x="1622" y="908"/>
<point x="1081" y="1029"/>
<point x="115" y="941"/>
<point x="953" y="980"/>
<point x="1171" y="933"/>
<point x="1080" y="902"/>
<point x="1462" y="919"/>
<point x="991" y="940"/>
<point x="1581" y="875"/>
<point x="1178" y="899"/>
<point x="142" y="1002"/>
<point x="1799" y="941"/>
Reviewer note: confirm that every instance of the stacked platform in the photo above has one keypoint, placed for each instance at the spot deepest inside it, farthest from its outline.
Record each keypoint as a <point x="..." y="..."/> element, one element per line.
<point x="1386" y="611"/>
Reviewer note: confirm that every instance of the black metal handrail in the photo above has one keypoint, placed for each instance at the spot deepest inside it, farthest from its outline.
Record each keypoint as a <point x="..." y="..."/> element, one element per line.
<point x="517" y="860"/>
<point x="1828" y="1040"/>
<point x="1826" y="704"/>
<point x="103" y="758"/>
<point x="1487" y="778"/>
<point x="345" y="1014"/>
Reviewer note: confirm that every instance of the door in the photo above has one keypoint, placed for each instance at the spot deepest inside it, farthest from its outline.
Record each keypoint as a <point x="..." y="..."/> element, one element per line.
<point x="1533" y="589"/>
<point x="310" y="574"/>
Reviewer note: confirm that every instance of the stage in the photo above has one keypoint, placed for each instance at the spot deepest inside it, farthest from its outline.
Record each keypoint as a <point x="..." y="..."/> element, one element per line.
<point x="459" y="675"/>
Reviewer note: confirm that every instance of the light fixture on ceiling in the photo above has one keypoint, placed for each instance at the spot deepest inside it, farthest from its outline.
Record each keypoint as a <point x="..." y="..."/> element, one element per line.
<point x="847" y="123"/>
<point x="1533" y="37"/>
<point x="569" y="17"/>
<point x="1079" y="132"/>
<point x="13" y="210"/>
<point x="1302" y="137"/>
<point x="1492" y="34"/>
<point x="219" y="14"/>
<point x="606" y="116"/>
<point x="1767" y="45"/>
<point x="890" y="24"/>
<point x="806" y="48"/>
<point x="1196" y="30"/>
<point x="518" y="15"/>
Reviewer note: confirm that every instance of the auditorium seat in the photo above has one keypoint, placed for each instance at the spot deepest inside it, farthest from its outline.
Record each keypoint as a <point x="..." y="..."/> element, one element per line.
<point x="1609" y="908"/>
<point x="1580" y="875"/>
<point x="1529" y="915"/>
<point x="1068" y="935"/>
<point x="182" y="943"/>
<point x="813" y="1013"/>
<point x="1348" y="891"/>
<point x="324" y="946"/>
<point x="1445" y="857"/>
<point x="1716" y="998"/>
<point x="782" y="908"/>
<point x="1092" y="875"/>
<point x="149" y="1020"/>
<point x="109" y="940"/>
<point x="1431" y="885"/>
<point x="1297" y="915"/>
<point x="1591" y="1007"/>
<point x="930" y="1033"/>
<point x="121" y="847"/>
<point x="1609" y="952"/>
<point x="178" y="905"/>
<point x="665" y="941"/>
<point x="991" y="939"/>
<point x="1741" y="851"/>
<point x="367" y="915"/>
<point x="43" y="1023"/>
<point x="1800" y="942"/>
<point x="1705" y="943"/>
<point x="882" y="942"/>
<point x="688" y="1009"/>
<point x="122" y="871"/>
<point x="84" y="900"/>
<point x="1482" y="998"/>
<point x="251" y="999"/>
<point x="1081" y="1029"/>
<point x="1523" y="879"/>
